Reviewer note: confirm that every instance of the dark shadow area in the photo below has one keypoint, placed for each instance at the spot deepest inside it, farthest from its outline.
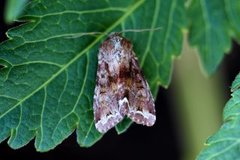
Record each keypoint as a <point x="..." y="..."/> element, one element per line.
<point x="232" y="63"/>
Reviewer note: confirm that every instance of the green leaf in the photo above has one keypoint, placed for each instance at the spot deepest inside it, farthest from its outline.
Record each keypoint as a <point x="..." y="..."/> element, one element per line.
<point x="209" y="30"/>
<point x="226" y="142"/>
<point x="123" y="126"/>
<point x="236" y="83"/>
<point x="13" y="9"/>
<point x="232" y="8"/>
<point x="158" y="48"/>
<point x="48" y="75"/>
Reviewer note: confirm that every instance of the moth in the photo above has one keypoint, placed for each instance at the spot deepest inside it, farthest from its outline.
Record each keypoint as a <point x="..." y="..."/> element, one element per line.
<point x="121" y="89"/>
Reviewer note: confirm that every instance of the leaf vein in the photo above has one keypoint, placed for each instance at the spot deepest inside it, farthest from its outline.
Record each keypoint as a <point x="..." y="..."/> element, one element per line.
<point x="224" y="150"/>
<point x="9" y="97"/>
<point x="41" y="116"/>
<point x="16" y="129"/>
<point x="38" y="62"/>
<point x="88" y="132"/>
<point x="168" y="27"/>
<point x="155" y="16"/>
<point x="78" y="98"/>
<point x="128" y="12"/>
<point x="82" y="12"/>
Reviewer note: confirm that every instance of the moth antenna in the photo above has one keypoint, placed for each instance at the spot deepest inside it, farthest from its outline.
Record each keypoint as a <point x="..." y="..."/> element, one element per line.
<point x="141" y="30"/>
<point x="77" y="35"/>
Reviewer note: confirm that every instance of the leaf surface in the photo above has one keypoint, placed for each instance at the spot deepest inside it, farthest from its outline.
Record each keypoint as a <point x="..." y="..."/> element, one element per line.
<point x="226" y="142"/>
<point x="48" y="75"/>
<point x="209" y="30"/>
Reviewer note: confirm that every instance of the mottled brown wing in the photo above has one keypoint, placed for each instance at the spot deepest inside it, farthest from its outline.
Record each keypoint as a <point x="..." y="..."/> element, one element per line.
<point x="141" y="103"/>
<point x="106" y="104"/>
<point x="120" y="86"/>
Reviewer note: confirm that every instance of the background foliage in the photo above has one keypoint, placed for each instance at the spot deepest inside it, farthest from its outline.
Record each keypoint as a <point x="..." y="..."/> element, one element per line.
<point x="48" y="69"/>
<point x="225" y="143"/>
